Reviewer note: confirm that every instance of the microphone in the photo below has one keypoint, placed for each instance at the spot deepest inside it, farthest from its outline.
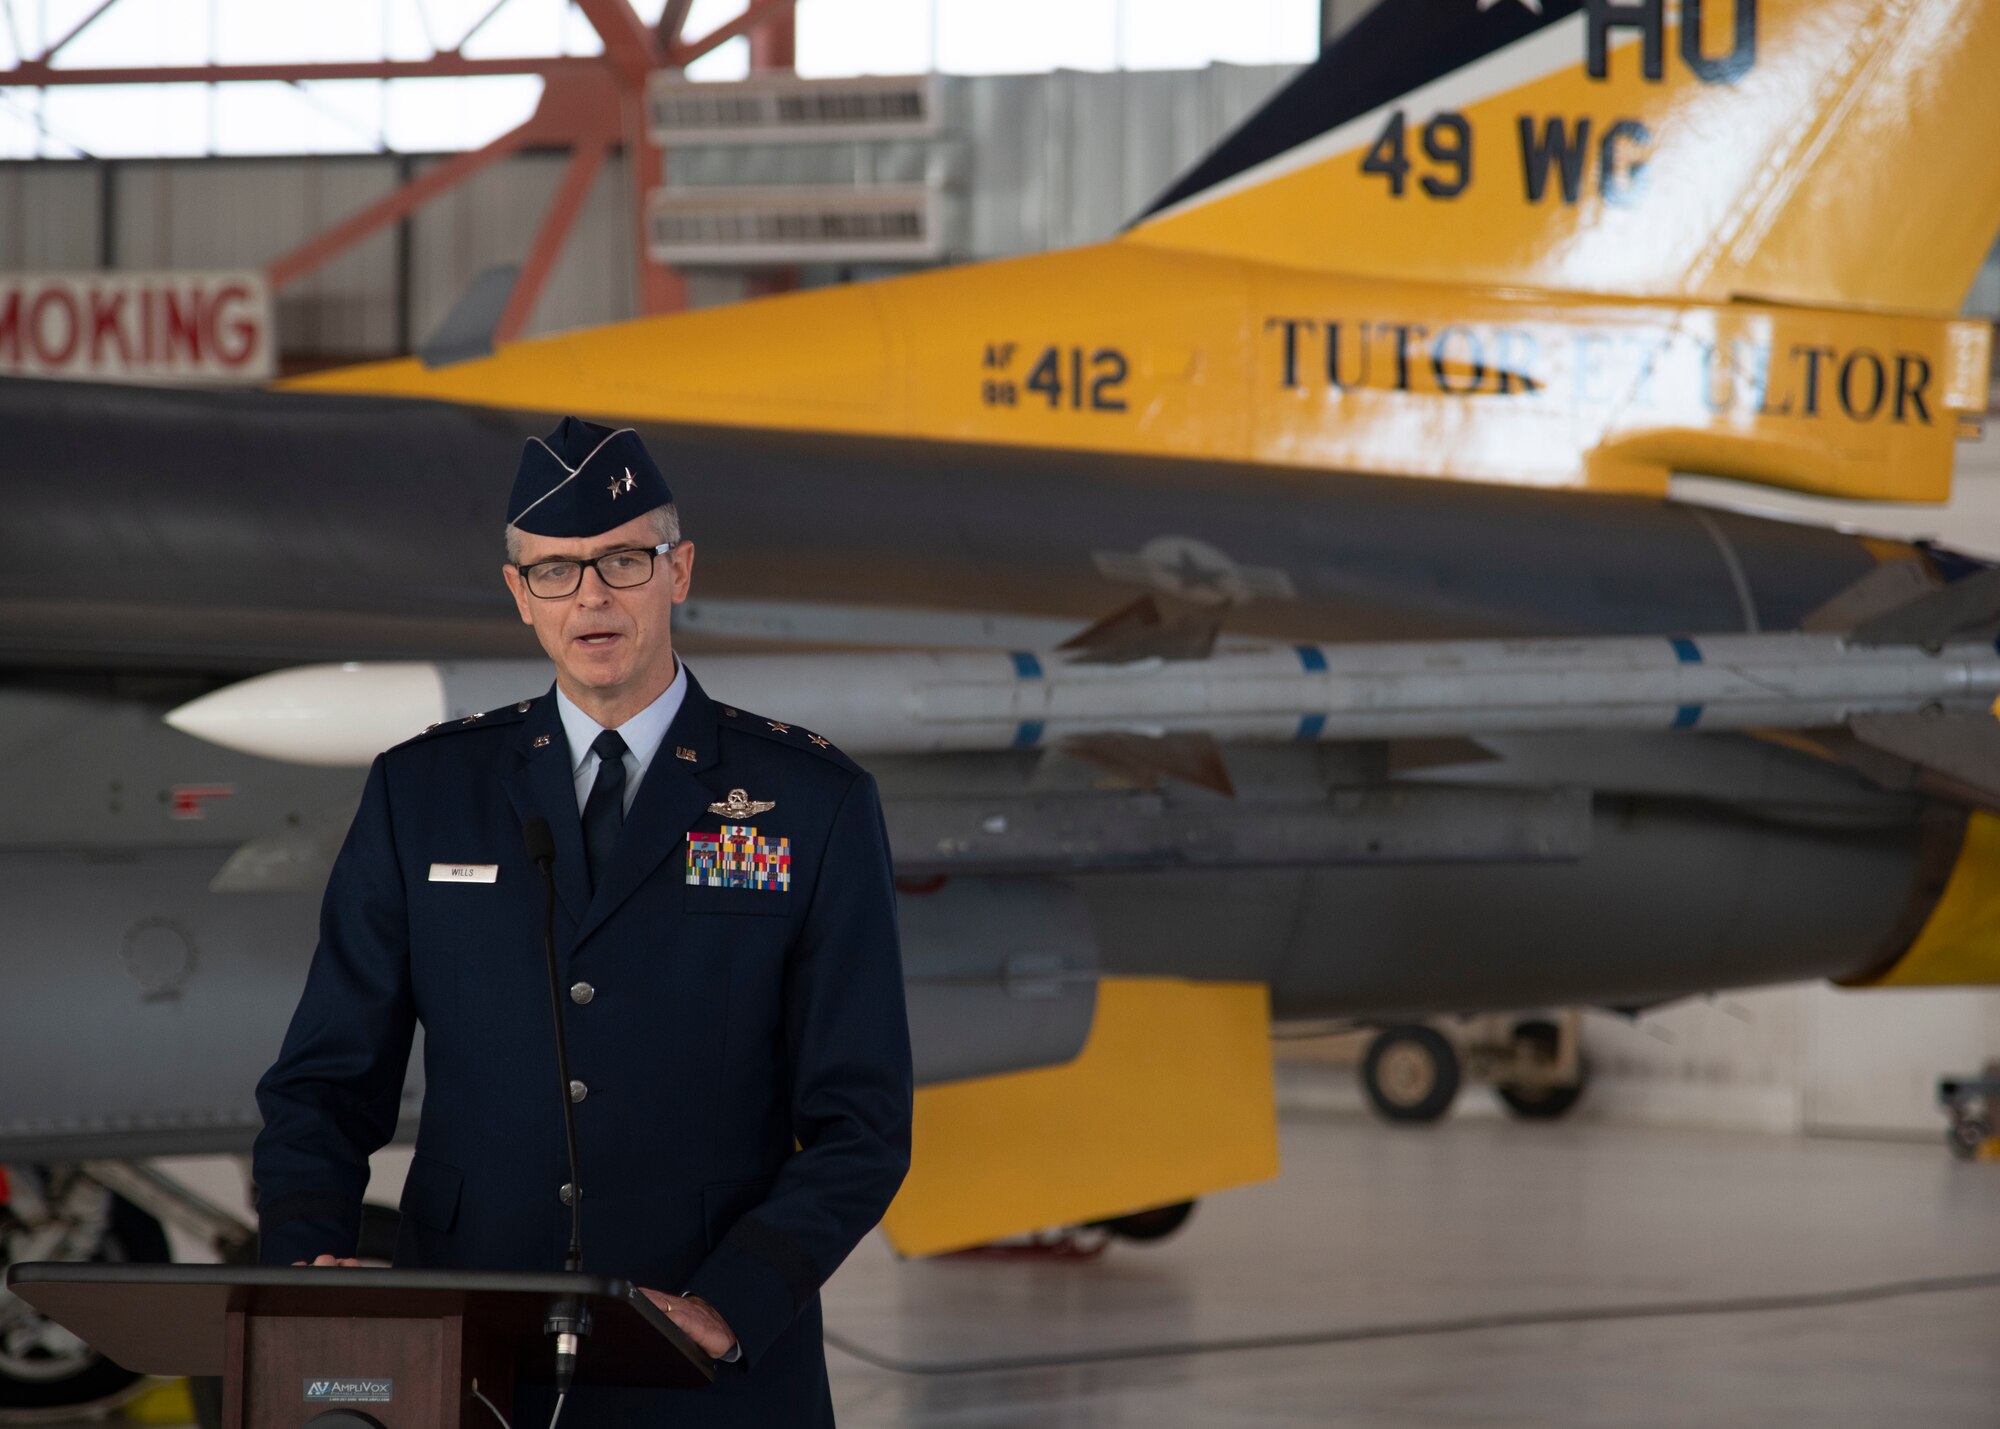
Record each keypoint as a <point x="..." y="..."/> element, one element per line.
<point x="568" y="1319"/>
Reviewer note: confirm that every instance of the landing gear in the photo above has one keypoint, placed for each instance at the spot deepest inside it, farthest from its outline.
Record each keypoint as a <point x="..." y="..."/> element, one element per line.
<point x="60" y="1213"/>
<point x="1156" y="1224"/>
<point x="1411" y="1074"/>
<point x="1547" y="1075"/>
<point x="1971" y="1103"/>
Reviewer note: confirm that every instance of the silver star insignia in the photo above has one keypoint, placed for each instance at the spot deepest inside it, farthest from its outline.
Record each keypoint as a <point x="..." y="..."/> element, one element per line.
<point x="740" y="805"/>
<point x="626" y="483"/>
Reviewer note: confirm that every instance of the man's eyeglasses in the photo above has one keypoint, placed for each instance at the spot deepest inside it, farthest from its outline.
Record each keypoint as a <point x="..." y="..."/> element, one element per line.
<point x="621" y="570"/>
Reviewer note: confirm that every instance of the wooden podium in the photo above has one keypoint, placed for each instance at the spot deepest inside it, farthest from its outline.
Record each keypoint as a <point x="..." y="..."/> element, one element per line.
<point x="398" y="1349"/>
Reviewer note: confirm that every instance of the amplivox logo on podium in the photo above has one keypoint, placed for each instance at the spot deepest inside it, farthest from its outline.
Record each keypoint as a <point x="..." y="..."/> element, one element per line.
<point x="350" y="1391"/>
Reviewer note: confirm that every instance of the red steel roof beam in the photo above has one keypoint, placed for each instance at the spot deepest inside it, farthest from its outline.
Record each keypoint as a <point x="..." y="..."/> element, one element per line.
<point x="629" y="42"/>
<point x="549" y="240"/>
<point x="774" y="45"/>
<point x="35" y="73"/>
<point x="754" y="15"/>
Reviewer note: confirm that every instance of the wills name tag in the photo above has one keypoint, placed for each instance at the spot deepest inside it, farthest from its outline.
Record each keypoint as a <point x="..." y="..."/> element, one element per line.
<point x="465" y="873"/>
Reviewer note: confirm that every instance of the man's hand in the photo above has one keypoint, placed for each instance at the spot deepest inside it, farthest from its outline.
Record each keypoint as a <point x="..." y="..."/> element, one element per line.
<point x="331" y="1260"/>
<point x="698" y="1321"/>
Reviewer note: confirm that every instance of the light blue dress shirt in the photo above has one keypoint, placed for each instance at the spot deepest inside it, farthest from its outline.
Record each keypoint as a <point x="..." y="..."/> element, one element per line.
<point x="642" y="734"/>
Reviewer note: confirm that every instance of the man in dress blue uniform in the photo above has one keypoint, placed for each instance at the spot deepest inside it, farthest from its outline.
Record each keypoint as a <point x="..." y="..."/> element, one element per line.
<point x="739" y="1057"/>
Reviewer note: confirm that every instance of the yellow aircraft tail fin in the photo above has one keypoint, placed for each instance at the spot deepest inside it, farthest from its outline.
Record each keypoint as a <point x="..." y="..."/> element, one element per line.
<point x="1826" y="152"/>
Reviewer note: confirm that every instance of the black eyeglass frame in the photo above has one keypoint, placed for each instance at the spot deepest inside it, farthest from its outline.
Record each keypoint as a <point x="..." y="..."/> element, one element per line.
<point x="651" y="552"/>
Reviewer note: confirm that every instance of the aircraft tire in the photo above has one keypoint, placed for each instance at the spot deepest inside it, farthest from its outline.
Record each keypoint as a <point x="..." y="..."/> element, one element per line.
<point x="1411" y="1074"/>
<point x="1155" y="1224"/>
<point x="31" y="1387"/>
<point x="1966" y="1136"/>
<point x="1543" y="1103"/>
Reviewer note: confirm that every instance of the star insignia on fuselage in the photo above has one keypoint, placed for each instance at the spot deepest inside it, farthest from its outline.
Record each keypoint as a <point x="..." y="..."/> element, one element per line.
<point x="626" y="482"/>
<point x="739" y="805"/>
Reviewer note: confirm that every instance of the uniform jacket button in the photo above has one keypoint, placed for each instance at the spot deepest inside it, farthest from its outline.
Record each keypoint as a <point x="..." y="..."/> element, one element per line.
<point x="578" y="1091"/>
<point x="581" y="992"/>
<point x="567" y="1193"/>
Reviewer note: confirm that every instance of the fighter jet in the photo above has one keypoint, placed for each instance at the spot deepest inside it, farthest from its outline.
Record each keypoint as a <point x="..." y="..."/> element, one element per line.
<point x="1379" y="401"/>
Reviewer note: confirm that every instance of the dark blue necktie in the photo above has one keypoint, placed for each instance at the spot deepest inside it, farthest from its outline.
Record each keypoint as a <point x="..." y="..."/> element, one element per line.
<point x="604" y="811"/>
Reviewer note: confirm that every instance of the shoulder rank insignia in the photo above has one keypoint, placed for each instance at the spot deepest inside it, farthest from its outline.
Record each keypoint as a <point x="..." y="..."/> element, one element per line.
<point x="740" y="805"/>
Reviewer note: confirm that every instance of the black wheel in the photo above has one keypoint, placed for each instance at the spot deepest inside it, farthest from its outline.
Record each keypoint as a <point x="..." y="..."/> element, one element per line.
<point x="1411" y="1074"/>
<point x="1967" y="1135"/>
<point x="42" y="1367"/>
<point x="1156" y="1224"/>
<point x="1543" y="1103"/>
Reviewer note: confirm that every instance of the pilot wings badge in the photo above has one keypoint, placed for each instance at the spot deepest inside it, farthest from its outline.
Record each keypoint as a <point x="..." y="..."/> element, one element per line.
<point x="740" y="805"/>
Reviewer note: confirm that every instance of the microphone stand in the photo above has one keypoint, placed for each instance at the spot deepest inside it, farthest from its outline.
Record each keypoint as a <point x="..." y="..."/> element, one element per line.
<point x="569" y="1317"/>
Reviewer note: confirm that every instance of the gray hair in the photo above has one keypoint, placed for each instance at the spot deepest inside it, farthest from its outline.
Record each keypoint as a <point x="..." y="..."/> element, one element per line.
<point x="666" y="525"/>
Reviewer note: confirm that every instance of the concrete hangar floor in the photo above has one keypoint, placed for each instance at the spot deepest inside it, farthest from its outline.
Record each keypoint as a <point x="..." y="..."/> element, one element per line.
<point x="1479" y="1272"/>
<point x="1792" y="1281"/>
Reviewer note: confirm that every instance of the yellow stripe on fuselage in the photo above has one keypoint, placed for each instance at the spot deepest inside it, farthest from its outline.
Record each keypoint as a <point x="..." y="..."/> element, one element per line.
<point x="1119" y="348"/>
<point x="1959" y="944"/>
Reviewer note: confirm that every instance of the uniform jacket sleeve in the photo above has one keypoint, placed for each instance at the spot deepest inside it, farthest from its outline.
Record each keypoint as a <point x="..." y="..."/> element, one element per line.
<point x="332" y="1096"/>
<point x="849" y="1047"/>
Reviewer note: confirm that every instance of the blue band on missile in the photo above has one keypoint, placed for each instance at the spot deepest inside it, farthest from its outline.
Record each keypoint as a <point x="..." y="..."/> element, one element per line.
<point x="1313" y="659"/>
<point x="1028" y="733"/>
<point x="1687" y="716"/>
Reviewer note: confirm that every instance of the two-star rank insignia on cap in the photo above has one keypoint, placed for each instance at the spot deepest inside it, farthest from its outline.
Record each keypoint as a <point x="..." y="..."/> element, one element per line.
<point x="740" y="805"/>
<point x="570" y="482"/>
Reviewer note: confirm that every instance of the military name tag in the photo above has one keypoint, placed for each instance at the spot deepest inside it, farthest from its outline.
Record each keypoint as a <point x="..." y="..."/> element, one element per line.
<point x="465" y="873"/>
<point x="734" y="856"/>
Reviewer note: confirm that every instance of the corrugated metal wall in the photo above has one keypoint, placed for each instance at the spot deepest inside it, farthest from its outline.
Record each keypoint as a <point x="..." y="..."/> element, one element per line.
<point x="1033" y="161"/>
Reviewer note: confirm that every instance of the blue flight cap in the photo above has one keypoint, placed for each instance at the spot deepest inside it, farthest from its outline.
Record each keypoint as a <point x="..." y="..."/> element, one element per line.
<point x="583" y="480"/>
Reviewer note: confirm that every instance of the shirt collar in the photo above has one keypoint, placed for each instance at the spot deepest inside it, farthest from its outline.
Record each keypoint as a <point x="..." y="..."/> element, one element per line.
<point x="642" y="733"/>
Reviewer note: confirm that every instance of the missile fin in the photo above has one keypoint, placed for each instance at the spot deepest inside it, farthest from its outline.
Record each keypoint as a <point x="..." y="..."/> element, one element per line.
<point x="1888" y="586"/>
<point x="1190" y="757"/>
<point x="1968" y="608"/>
<point x="1151" y="627"/>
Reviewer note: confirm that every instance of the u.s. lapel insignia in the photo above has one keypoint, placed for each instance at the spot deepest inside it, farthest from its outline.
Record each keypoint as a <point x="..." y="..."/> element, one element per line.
<point x="541" y="741"/>
<point x="681" y="751"/>
<point x="740" y="805"/>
